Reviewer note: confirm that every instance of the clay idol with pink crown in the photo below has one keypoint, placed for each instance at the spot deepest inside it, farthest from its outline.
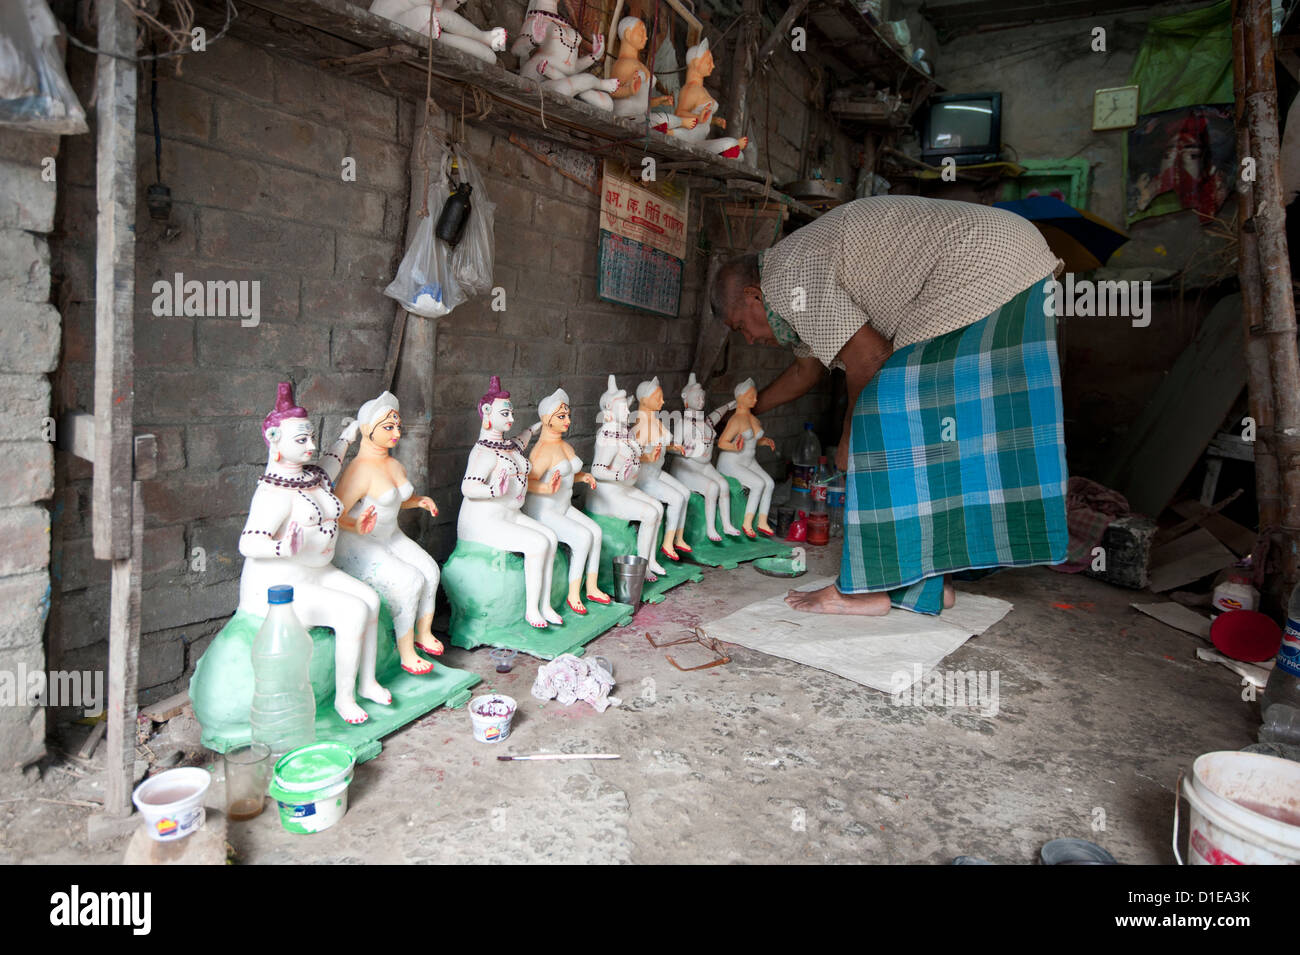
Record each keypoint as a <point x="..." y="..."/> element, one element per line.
<point x="292" y="537"/>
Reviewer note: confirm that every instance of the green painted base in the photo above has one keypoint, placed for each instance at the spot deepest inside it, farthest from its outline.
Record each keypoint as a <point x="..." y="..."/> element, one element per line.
<point x="222" y="688"/>
<point x="731" y="551"/>
<point x="618" y="537"/>
<point x="485" y="589"/>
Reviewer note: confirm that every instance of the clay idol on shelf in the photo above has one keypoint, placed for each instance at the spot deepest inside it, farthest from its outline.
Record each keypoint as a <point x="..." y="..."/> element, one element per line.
<point x="449" y="27"/>
<point x="555" y="467"/>
<point x="736" y="447"/>
<point x="615" y="464"/>
<point x="290" y="537"/>
<point x="547" y="47"/>
<point x="694" y="466"/>
<point x="695" y="102"/>
<point x="632" y="98"/>
<point x="649" y="432"/>
<point x="385" y="558"/>
<point x="496" y="480"/>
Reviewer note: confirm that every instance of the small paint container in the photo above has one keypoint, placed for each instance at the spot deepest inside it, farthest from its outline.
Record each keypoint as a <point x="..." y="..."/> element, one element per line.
<point x="503" y="658"/>
<point x="491" y="716"/>
<point x="172" y="803"/>
<point x="310" y="785"/>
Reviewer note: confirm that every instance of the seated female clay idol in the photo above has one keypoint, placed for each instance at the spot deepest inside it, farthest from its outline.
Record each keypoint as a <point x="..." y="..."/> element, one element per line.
<point x="292" y="530"/>
<point x="405" y="576"/>
<point x="496" y="480"/>
<point x="736" y="448"/>
<point x="555" y="467"/>
<point x="615" y="464"/>
<point x="694" y="468"/>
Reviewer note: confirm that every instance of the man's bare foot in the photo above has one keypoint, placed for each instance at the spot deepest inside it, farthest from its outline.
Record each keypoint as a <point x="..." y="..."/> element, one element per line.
<point x="949" y="593"/>
<point x="830" y="600"/>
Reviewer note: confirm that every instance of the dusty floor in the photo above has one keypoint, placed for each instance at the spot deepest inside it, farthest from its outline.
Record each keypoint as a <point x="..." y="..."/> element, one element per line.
<point x="764" y="760"/>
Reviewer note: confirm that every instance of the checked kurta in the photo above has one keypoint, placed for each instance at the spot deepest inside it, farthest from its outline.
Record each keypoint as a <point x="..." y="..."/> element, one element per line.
<point x="957" y="457"/>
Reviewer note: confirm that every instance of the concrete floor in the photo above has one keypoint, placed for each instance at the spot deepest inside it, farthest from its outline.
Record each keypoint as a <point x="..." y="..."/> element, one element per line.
<point x="764" y="760"/>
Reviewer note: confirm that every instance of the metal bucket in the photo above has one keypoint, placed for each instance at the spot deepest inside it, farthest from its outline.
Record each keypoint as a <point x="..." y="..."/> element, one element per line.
<point x="629" y="578"/>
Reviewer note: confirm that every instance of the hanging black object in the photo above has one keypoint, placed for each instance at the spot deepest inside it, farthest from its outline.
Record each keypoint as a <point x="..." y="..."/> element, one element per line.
<point x="455" y="215"/>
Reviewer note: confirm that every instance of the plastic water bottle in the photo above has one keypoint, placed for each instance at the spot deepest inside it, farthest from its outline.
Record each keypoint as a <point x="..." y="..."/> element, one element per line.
<point x="806" y="454"/>
<point x="818" y="490"/>
<point x="1280" y="706"/>
<point x="284" y="706"/>
<point x="835" y="492"/>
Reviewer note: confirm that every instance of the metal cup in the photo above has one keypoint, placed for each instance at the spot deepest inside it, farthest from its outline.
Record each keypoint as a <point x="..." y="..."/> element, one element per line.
<point x="629" y="578"/>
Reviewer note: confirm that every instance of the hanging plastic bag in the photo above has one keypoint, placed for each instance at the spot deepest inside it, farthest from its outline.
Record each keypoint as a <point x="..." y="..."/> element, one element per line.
<point x="426" y="283"/>
<point x="34" y="90"/>
<point x="472" y="260"/>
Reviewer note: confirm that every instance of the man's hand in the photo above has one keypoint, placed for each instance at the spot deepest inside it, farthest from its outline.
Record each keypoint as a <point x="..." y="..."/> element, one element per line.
<point x="842" y="456"/>
<point x="862" y="355"/>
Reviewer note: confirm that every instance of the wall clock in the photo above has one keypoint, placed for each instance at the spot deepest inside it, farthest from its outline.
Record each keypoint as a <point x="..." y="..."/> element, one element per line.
<point x="1115" y="108"/>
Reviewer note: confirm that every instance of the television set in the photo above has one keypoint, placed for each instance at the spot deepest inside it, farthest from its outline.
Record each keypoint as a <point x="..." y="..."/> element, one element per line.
<point x="966" y="127"/>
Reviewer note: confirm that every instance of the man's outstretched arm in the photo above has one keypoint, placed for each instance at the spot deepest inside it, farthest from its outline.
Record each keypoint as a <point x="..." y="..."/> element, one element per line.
<point x="862" y="355"/>
<point x="795" y="382"/>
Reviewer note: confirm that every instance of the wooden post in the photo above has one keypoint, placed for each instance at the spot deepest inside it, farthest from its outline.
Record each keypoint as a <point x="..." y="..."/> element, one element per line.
<point x="1278" y="303"/>
<point x="124" y="667"/>
<point x="781" y="31"/>
<point x="117" y="512"/>
<point x="114" y="282"/>
<point x="1260" y="388"/>
<point x="742" y="68"/>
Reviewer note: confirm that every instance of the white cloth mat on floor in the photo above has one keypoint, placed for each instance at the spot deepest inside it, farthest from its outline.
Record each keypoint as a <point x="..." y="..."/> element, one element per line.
<point x="866" y="650"/>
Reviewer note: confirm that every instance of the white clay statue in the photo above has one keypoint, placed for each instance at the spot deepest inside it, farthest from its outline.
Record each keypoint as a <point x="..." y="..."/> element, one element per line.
<point x="547" y="47"/>
<point x="405" y="576"/>
<point x="615" y="464"/>
<point x="694" y="467"/>
<point x="695" y="103"/>
<point x="736" y="447"/>
<point x="496" y="481"/>
<point x="292" y="529"/>
<point x="653" y="437"/>
<point x="449" y="27"/>
<point x="550" y="498"/>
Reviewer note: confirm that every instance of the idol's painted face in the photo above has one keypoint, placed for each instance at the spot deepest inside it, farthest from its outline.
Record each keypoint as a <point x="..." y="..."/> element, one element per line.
<point x="618" y="410"/>
<point x="655" y="400"/>
<point x="694" y="398"/>
<point x="297" y="444"/>
<point x="561" y="420"/>
<point x="388" y="431"/>
<point x="502" y="415"/>
<point x="747" y="398"/>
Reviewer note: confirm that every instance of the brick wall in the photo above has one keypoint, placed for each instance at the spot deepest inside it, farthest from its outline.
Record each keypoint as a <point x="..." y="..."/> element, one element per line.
<point x="252" y="146"/>
<point x="29" y="347"/>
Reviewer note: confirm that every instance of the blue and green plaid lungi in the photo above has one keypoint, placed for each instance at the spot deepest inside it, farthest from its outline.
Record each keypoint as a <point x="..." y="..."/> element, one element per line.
<point x="957" y="458"/>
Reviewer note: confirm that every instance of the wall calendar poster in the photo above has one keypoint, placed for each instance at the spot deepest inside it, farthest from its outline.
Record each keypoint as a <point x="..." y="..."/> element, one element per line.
<point x="642" y="241"/>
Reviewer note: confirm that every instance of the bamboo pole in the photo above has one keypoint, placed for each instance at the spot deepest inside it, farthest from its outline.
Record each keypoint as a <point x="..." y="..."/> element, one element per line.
<point x="1267" y="493"/>
<point x="1276" y="296"/>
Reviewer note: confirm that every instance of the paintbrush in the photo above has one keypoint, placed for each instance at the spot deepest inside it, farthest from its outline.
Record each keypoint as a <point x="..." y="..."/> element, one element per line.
<point x="562" y="756"/>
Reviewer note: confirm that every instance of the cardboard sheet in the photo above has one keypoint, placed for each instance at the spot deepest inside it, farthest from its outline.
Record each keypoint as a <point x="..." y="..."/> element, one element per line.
<point x="867" y="650"/>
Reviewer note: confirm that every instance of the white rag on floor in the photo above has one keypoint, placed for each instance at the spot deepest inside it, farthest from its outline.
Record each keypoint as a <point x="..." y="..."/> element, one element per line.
<point x="568" y="678"/>
<point x="887" y="653"/>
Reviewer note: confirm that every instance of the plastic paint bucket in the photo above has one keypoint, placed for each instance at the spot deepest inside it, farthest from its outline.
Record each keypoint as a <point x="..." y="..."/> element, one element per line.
<point x="310" y="785"/>
<point x="172" y="803"/>
<point x="491" y="716"/>
<point x="1245" y="810"/>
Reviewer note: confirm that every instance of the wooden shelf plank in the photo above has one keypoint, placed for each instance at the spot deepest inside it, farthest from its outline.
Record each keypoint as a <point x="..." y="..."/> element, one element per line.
<point x="519" y="103"/>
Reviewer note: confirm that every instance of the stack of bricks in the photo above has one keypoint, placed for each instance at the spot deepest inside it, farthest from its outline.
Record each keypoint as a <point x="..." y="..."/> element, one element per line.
<point x="29" y="349"/>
